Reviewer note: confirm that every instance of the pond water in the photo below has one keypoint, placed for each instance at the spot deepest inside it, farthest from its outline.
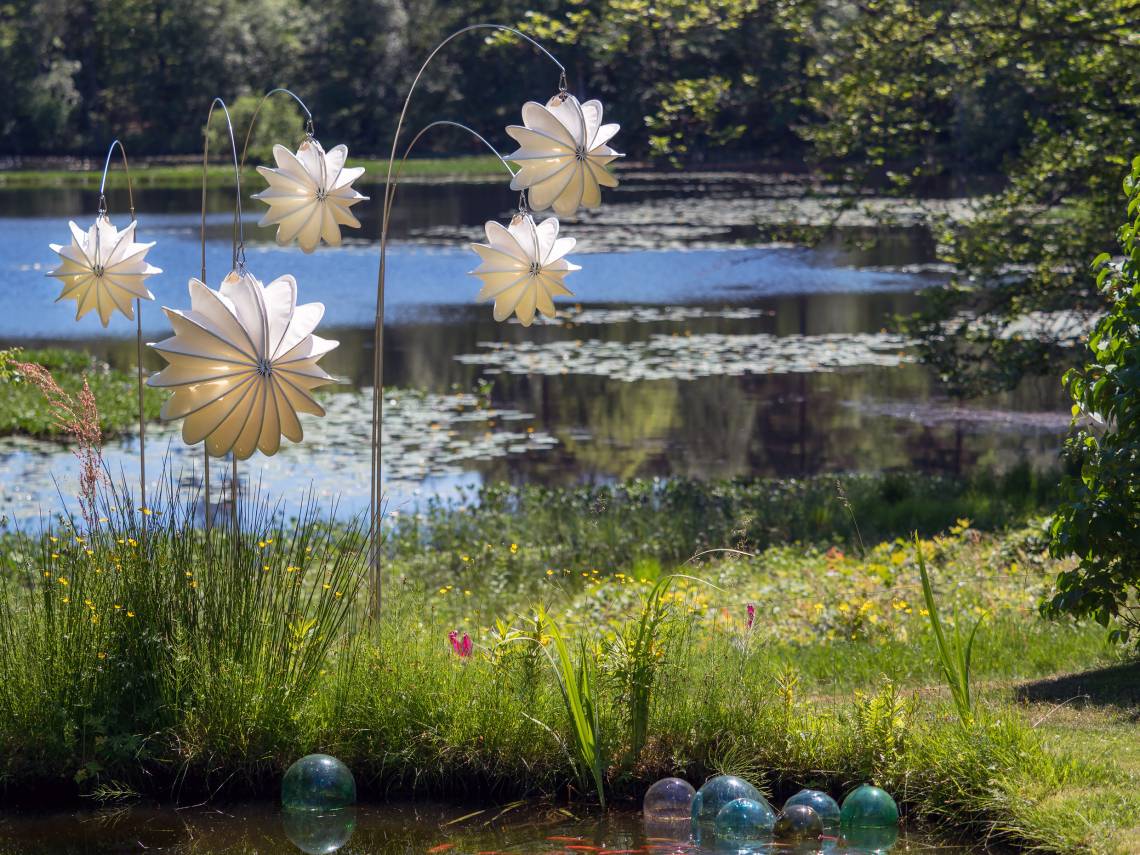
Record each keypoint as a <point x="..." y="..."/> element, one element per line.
<point x="421" y="828"/>
<point x="699" y="343"/>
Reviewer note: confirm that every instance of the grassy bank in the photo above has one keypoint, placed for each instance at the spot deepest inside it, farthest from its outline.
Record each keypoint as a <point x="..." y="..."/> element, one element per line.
<point x="25" y="410"/>
<point x="184" y="175"/>
<point x="178" y="664"/>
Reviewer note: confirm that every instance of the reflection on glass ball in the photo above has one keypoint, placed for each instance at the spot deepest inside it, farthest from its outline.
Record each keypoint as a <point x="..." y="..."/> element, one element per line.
<point x="869" y="841"/>
<point x="798" y="822"/>
<point x="319" y="833"/>
<point x="868" y="806"/>
<point x="668" y="799"/>
<point x="718" y="792"/>
<point x="318" y="782"/>
<point x="744" y="819"/>
<point x="821" y="803"/>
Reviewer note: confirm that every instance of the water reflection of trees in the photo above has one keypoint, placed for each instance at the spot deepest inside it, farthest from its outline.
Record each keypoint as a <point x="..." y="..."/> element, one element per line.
<point x="719" y="426"/>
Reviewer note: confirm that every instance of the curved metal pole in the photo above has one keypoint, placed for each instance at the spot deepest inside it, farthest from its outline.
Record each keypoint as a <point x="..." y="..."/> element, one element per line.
<point x="257" y="110"/>
<point x="378" y="331"/>
<point x="438" y="124"/>
<point x="260" y="104"/>
<point x="238" y="243"/>
<point x="138" y="307"/>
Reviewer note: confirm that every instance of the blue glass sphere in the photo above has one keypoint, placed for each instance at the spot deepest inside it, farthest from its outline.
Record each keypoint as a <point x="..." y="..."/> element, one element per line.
<point x="719" y="791"/>
<point x="318" y="782"/>
<point x="669" y="799"/>
<point x="821" y="803"/>
<point x="744" y="819"/>
<point x="868" y="806"/>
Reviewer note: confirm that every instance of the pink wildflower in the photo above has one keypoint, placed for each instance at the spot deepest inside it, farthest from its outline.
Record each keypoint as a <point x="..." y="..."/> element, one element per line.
<point x="751" y="614"/>
<point x="462" y="648"/>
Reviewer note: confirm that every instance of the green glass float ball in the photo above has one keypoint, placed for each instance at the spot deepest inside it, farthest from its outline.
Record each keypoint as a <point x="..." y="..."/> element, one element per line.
<point x="719" y="791"/>
<point x="821" y="803"/>
<point x="798" y="822"/>
<point x="669" y="799"/>
<point x="868" y="806"/>
<point x="744" y="819"/>
<point x="319" y="833"/>
<point x="869" y="841"/>
<point x="318" y="782"/>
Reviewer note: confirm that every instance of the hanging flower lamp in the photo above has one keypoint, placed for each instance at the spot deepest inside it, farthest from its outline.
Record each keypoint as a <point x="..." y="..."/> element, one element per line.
<point x="563" y="154"/>
<point x="310" y="194"/>
<point x="242" y="364"/>
<point x="523" y="267"/>
<point x="103" y="269"/>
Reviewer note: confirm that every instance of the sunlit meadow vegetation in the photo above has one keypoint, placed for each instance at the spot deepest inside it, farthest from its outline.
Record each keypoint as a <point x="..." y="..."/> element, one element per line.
<point x="142" y="655"/>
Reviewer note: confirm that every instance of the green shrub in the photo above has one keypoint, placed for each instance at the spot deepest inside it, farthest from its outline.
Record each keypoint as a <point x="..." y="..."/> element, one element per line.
<point x="1099" y="519"/>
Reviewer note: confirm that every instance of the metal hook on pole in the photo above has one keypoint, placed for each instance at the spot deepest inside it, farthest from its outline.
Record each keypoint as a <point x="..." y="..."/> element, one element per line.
<point x="309" y="127"/>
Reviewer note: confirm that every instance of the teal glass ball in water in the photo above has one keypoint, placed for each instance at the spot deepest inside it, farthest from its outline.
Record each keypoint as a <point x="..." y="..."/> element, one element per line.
<point x="318" y="782"/>
<point x="868" y="806"/>
<point x="668" y="799"/>
<point x="798" y="822"/>
<point x="821" y="803"/>
<point x="869" y="841"/>
<point x="719" y="791"/>
<point x="744" y="819"/>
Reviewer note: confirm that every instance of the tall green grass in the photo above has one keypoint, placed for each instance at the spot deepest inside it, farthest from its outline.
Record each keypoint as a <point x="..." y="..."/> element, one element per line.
<point x="954" y="656"/>
<point x="145" y="632"/>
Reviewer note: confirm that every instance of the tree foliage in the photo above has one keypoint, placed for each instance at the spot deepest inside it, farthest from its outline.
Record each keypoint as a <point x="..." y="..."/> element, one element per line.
<point x="1043" y="92"/>
<point x="683" y="78"/>
<point x="1099" y="519"/>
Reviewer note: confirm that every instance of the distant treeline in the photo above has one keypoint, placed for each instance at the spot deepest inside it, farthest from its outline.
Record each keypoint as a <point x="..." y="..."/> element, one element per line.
<point x="690" y="81"/>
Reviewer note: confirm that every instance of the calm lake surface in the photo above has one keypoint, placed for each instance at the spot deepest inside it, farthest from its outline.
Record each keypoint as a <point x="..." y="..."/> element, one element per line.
<point x="701" y="342"/>
<point x="421" y="828"/>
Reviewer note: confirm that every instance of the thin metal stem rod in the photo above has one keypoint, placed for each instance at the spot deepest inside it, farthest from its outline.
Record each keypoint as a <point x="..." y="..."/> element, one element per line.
<point x="234" y="491"/>
<point x="138" y="306"/>
<point x="238" y="243"/>
<point x="239" y="234"/>
<point x="378" y="333"/>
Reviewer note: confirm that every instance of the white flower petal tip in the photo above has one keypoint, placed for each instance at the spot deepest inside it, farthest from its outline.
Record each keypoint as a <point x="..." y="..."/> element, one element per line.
<point x="563" y="154"/>
<point x="242" y="363"/>
<point x="309" y="194"/>
<point x="523" y="267"/>
<point x="103" y="269"/>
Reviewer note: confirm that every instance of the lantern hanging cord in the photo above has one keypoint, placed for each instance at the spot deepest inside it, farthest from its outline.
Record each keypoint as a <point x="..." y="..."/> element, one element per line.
<point x="103" y="183"/>
<point x="238" y="246"/>
<point x="309" y="127"/>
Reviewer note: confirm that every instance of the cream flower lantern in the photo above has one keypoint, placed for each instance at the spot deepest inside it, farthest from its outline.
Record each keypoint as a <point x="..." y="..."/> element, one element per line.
<point x="310" y="194"/>
<point x="242" y="364"/>
<point x="523" y="267"/>
<point x="103" y="269"/>
<point x="563" y="155"/>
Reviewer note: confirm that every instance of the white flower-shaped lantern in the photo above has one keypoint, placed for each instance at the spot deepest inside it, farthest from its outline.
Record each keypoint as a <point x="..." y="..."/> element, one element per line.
<point x="563" y="154"/>
<point x="523" y="267"/>
<point x="103" y="269"/>
<point x="242" y="364"/>
<point x="309" y="194"/>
